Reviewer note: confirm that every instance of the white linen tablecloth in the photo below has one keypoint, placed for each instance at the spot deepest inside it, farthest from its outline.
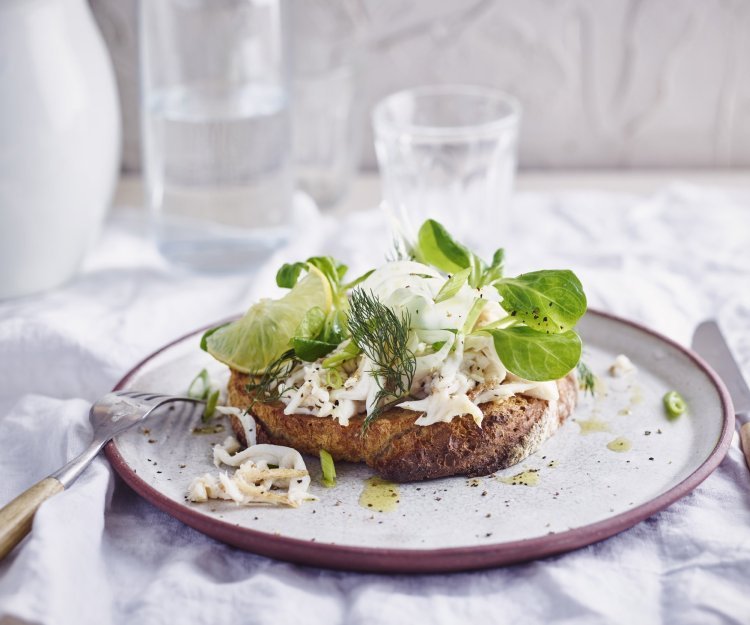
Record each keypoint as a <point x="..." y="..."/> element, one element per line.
<point x="98" y="553"/>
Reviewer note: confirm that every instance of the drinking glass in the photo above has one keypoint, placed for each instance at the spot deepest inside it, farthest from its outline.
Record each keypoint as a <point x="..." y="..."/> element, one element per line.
<point x="216" y="141"/>
<point x="449" y="152"/>
<point x="325" y="120"/>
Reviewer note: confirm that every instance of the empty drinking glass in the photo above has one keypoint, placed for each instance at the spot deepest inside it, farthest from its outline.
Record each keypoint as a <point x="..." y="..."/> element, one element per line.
<point x="449" y="153"/>
<point x="217" y="155"/>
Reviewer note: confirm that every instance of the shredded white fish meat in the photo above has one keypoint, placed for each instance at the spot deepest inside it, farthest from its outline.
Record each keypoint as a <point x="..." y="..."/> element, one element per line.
<point x="621" y="366"/>
<point x="245" y="418"/>
<point x="264" y="474"/>
<point x="456" y="370"/>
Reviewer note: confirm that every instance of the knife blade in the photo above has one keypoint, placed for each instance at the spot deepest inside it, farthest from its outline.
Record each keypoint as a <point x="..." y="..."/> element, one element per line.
<point x="709" y="343"/>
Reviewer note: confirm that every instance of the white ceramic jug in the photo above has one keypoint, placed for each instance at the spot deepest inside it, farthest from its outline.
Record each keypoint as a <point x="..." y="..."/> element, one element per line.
<point x="59" y="140"/>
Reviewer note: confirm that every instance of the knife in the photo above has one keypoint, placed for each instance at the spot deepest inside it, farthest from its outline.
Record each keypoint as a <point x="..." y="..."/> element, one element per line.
<point x="710" y="343"/>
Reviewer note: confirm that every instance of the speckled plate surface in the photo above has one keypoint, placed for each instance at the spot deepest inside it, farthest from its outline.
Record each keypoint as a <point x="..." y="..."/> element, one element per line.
<point x="617" y="461"/>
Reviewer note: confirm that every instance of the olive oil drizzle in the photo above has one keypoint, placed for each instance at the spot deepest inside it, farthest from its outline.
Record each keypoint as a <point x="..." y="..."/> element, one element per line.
<point x="379" y="495"/>
<point x="525" y="478"/>
<point x="620" y="445"/>
<point x="593" y="425"/>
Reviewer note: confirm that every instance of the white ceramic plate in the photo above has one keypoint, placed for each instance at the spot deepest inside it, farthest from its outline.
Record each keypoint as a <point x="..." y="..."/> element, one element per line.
<point x="586" y="486"/>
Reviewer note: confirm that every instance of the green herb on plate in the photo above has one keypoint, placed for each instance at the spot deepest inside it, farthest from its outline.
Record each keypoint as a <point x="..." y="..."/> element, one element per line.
<point x="383" y="338"/>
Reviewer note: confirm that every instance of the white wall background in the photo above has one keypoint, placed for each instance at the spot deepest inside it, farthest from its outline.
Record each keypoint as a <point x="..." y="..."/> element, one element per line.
<point x="604" y="83"/>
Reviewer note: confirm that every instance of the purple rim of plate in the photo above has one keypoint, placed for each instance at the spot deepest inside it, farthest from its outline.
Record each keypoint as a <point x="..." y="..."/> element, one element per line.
<point x="379" y="560"/>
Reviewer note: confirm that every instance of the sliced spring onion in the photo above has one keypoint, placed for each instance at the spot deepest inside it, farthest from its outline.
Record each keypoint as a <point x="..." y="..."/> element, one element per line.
<point x="674" y="404"/>
<point x="350" y="351"/>
<point x="200" y="386"/>
<point x="333" y="378"/>
<point x="473" y="315"/>
<point x="329" y="470"/>
<point x="211" y="401"/>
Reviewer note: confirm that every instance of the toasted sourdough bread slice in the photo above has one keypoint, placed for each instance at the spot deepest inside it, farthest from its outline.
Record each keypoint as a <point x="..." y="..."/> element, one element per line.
<point x="401" y="451"/>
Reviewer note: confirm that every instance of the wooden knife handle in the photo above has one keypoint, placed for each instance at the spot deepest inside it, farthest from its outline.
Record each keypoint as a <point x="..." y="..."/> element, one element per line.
<point x="745" y="441"/>
<point x="16" y="517"/>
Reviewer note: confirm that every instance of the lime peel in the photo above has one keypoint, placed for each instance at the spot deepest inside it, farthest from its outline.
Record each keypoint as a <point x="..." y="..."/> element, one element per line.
<point x="264" y="333"/>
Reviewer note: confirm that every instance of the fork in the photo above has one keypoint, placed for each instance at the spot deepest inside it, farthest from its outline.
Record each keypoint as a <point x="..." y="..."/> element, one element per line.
<point x="111" y="415"/>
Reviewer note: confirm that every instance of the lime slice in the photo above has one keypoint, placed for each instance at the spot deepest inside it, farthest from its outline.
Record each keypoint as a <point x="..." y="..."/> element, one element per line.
<point x="252" y="343"/>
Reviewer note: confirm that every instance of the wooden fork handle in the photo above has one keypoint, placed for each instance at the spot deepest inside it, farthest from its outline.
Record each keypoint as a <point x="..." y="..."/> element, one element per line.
<point x="17" y="516"/>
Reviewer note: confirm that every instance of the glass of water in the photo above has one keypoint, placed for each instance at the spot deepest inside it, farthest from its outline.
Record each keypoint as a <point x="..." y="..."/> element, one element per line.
<point x="216" y="140"/>
<point x="449" y="153"/>
<point x="325" y="114"/>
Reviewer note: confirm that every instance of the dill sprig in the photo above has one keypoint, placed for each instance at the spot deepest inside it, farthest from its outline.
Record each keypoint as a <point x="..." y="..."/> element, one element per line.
<point x="265" y="388"/>
<point x="383" y="338"/>
<point x="586" y="378"/>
